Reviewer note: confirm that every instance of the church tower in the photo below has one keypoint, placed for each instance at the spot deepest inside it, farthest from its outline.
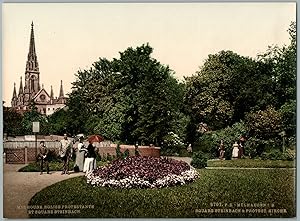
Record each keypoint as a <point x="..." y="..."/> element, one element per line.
<point x="32" y="74"/>
<point x="14" y="98"/>
<point x="32" y="91"/>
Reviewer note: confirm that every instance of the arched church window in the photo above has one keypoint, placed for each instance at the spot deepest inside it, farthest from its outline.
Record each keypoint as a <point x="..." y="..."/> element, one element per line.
<point x="32" y="83"/>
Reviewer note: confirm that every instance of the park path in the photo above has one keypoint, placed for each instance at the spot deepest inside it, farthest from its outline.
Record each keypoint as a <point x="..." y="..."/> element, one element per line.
<point x="185" y="159"/>
<point x="20" y="187"/>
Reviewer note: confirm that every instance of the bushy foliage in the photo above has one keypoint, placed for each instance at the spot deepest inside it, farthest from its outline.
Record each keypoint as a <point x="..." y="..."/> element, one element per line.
<point x="132" y="98"/>
<point x="264" y="124"/>
<point x="288" y="113"/>
<point x="142" y="172"/>
<point x="210" y="142"/>
<point x="199" y="160"/>
<point x="11" y="122"/>
<point x="278" y="155"/>
<point x="255" y="146"/>
<point x="172" y="144"/>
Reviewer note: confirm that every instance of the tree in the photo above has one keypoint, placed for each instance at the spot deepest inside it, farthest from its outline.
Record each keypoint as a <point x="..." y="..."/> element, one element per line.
<point x="226" y="87"/>
<point x="133" y="98"/>
<point x="11" y="122"/>
<point x="31" y="116"/>
<point x="283" y="62"/>
<point x="264" y="124"/>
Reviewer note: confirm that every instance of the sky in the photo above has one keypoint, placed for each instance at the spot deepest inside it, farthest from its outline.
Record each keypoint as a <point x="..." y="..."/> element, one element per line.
<point x="72" y="36"/>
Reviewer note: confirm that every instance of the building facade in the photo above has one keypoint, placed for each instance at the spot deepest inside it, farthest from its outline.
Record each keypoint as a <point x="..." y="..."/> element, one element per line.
<point x="32" y="91"/>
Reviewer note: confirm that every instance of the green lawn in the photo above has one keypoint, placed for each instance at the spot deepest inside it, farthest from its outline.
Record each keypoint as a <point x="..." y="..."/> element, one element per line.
<point x="53" y="166"/>
<point x="251" y="163"/>
<point x="213" y="186"/>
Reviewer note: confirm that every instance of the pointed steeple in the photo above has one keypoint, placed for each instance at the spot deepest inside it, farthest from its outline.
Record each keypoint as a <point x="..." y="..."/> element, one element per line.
<point x="14" y="93"/>
<point x="21" y="86"/>
<point x="51" y="93"/>
<point x="61" y="91"/>
<point x="32" y="64"/>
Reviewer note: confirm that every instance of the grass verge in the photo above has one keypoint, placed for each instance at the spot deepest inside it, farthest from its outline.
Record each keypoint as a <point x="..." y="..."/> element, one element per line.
<point x="271" y="188"/>
<point x="251" y="163"/>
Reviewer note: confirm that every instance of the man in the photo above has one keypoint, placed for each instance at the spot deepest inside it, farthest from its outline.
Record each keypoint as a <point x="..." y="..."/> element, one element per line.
<point x="65" y="152"/>
<point x="43" y="155"/>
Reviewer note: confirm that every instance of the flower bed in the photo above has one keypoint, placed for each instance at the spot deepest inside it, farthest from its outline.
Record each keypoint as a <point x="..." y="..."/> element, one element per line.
<point x="142" y="172"/>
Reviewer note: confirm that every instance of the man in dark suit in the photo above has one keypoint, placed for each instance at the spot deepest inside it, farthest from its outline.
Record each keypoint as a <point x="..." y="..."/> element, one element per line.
<point x="43" y="156"/>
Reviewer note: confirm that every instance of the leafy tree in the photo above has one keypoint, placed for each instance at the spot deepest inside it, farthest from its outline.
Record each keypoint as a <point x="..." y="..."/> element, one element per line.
<point x="226" y="87"/>
<point x="11" y="122"/>
<point x="264" y="124"/>
<point x="133" y="98"/>
<point x="57" y="122"/>
<point x="32" y="116"/>
<point x="288" y="113"/>
<point x="283" y="62"/>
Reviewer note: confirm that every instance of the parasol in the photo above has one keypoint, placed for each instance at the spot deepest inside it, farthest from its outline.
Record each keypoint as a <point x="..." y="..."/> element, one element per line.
<point x="95" y="138"/>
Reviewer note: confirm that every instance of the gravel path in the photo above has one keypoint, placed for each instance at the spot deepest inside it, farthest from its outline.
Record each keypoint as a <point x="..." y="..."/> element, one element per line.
<point x="185" y="159"/>
<point x="20" y="187"/>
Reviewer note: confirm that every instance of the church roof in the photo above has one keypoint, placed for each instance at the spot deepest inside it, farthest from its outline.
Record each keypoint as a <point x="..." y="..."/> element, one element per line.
<point x="39" y="92"/>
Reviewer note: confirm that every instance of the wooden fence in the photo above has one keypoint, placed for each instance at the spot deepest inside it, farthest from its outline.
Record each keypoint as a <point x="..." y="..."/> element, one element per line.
<point x="23" y="152"/>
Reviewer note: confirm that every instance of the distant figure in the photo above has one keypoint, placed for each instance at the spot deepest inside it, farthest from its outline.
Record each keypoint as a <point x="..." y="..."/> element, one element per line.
<point x="235" y="151"/>
<point x="221" y="150"/>
<point x="90" y="160"/>
<point x="80" y="152"/>
<point x="65" y="152"/>
<point x="43" y="156"/>
<point x="242" y="145"/>
<point x="189" y="148"/>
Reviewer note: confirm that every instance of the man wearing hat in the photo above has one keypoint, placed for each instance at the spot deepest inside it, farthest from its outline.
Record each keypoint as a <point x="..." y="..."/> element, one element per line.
<point x="65" y="152"/>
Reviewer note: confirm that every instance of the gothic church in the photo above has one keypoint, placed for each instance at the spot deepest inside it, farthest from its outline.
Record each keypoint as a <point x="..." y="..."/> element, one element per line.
<point x="46" y="104"/>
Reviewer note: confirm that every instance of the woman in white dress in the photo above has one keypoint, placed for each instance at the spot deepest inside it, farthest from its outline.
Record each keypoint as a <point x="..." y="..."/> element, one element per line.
<point x="80" y="152"/>
<point x="235" y="151"/>
<point x="90" y="160"/>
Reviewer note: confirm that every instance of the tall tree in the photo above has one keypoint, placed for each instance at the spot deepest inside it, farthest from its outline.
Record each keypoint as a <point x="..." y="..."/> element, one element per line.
<point x="226" y="87"/>
<point x="130" y="99"/>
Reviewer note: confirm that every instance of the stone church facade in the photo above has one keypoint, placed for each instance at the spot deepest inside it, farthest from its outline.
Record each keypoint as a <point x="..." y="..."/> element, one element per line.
<point x="46" y="103"/>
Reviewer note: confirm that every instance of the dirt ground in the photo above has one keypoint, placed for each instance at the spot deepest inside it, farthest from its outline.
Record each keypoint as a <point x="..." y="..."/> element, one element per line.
<point x="20" y="187"/>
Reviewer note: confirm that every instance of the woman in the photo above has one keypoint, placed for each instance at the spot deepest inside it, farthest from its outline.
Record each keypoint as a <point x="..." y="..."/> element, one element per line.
<point x="235" y="151"/>
<point x="79" y="162"/>
<point x="90" y="160"/>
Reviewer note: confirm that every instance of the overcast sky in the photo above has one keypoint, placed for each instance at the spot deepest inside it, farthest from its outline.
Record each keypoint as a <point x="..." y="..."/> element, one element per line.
<point x="70" y="37"/>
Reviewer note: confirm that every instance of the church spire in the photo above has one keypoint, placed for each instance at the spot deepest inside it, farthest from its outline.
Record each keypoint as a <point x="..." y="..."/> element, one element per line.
<point x="32" y="64"/>
<point x="21" y="86"/>
<point x="61" y="91"/>
<point x="14" y="93"/>
<point x="51" y="93"/>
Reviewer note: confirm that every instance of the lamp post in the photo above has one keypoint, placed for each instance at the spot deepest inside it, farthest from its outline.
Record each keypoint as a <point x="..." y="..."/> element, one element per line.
<point x="35" y="130"/>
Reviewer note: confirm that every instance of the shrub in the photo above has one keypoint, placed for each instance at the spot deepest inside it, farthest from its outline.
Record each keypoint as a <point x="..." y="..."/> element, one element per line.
<point x="103" y="158"/>
<point x="136" y="152"/>
<point x="98" y="156"/>
<point x="255" y="147"/>
<point x="264" y="124"/>
<point x="272" y="155"/>
<point x="126" y="153"/>
<point x="172" y="144"/>
<point x="109" y="157"/>
<point x="118" y="151"/>
<point x="199" y="160"/>
<point x="210" y="142"/>
<point x="288" y="112"/>
<point x="278" y="155"/>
